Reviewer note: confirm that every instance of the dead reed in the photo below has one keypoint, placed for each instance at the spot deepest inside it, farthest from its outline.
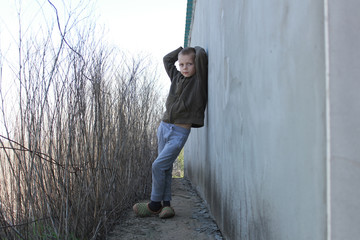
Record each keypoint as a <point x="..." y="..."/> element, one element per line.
<point x="78" y="144"/>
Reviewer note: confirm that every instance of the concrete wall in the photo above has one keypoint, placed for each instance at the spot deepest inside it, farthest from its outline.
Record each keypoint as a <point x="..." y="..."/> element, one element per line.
<point x="262" y="162"/>
<point x="344" y="83"/>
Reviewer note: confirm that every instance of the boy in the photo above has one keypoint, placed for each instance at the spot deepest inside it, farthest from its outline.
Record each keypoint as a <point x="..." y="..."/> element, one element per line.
<point x="185" y="106"/>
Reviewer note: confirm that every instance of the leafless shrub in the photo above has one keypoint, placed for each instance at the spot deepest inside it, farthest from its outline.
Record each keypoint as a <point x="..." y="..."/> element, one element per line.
<point x="83" y="141"/>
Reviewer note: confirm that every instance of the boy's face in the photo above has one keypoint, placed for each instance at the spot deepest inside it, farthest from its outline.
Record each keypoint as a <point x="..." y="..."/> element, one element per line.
<point x="186" y="65"/>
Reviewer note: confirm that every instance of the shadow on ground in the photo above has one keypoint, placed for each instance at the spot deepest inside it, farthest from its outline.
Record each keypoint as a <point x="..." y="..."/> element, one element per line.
<point x="192" y="220"/>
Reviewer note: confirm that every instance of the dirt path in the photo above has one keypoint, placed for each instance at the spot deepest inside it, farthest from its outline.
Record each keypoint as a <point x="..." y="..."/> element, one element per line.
<point x="192" y="220"/>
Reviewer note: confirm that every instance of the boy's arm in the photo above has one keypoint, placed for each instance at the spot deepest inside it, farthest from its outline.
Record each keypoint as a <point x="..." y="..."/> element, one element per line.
<point x="169" y="62"/>
<point x="201" y="64"/>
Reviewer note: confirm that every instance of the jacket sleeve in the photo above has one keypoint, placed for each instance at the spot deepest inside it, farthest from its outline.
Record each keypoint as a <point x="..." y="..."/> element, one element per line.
<point x="169" y="63"/>
<point x="201" y="65"/>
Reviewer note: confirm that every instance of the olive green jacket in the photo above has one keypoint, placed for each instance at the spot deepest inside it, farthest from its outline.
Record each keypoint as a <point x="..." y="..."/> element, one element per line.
<point x="187" y="97"/>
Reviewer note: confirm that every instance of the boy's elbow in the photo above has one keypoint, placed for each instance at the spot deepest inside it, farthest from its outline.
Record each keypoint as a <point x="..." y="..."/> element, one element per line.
<point x="200" y="50"/>
<point x="201" y="55"/>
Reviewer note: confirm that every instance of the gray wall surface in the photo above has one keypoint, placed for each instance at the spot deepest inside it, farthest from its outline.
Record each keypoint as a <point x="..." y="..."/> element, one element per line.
<point x="262" y="162"/>
<point x="344" y="83"/>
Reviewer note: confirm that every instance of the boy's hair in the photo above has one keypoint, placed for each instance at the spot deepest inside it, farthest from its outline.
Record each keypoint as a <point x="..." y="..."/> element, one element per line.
<point x="188" y="51"/>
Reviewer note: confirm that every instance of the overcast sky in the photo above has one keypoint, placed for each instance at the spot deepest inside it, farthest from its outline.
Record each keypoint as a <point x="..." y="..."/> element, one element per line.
<point x="156" y="26"/>
<point x="150" y="27"/>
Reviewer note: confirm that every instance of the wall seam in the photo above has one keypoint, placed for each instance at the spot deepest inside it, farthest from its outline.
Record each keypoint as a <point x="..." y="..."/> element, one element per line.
<point x="328" y="129"/>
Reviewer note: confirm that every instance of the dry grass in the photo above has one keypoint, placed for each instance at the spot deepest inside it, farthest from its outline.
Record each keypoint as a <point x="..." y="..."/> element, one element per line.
<point x="81" y="140"/>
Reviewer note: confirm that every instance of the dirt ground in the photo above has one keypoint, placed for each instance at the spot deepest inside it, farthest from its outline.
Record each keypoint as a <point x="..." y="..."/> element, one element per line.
<point x="191" y="222"/>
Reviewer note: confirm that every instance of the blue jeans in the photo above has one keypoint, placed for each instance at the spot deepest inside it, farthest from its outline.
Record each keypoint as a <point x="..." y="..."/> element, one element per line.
<point x="171" y="139"/>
